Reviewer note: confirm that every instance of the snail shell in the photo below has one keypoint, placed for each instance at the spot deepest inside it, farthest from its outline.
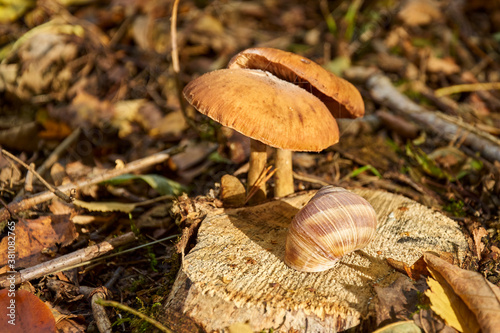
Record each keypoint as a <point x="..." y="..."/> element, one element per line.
<point x="333" y="223"/>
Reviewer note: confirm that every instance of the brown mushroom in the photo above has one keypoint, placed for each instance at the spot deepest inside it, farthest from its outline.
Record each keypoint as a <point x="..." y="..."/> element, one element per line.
<point x="340" y="97"/>
<point x="265" y="108"/>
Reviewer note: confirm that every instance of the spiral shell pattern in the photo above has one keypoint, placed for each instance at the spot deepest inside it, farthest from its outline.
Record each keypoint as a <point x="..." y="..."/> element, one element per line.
<point x="333" y="223"/>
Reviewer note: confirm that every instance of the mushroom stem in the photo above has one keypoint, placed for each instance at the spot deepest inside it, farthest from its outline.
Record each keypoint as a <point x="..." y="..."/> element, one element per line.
<point x="258" y="160"/>
<point x="284" y="174"/>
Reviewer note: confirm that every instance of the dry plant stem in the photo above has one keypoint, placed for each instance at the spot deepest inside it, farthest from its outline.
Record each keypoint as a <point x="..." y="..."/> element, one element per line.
<point x="382" y="91"/>
<point x="28" y="182"/>
<point x="258" y="160"/>
<point x="176" y="66"/>
<point x="143" y="163"/>
<point x="467" y="88"/>
<point x="263" y="178"/>
<point x="123" y="307"/>
<point x="284" y="174"/>
<point x="69" y="260"/>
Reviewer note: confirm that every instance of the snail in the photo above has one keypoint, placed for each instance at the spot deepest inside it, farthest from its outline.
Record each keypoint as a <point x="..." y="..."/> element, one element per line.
<point x="333" y="223"/>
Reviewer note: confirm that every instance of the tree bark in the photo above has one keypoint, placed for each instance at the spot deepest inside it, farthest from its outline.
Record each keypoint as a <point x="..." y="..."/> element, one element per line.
<point x="236" y="272"/>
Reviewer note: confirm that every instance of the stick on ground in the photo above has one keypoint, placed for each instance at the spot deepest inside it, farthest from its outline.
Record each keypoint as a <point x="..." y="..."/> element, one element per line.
<point x="383" y="92"/>
<point x="69" y="260"/>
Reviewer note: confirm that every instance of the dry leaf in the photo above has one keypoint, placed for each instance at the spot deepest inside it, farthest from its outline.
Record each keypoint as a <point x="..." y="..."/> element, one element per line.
<point x="34" y="236"/>
<point x="478" y="234"/>
<point x="420" y="12"/>
<point x="24" y="312"/>
<point x="414" y="271"/>
<point x="105" y="206"/>
<point x="233" y="192"/>
<point x="481" y="297"/>
<point x="446" y="66"/>
<point x="22" y="137"/>
<point x="173" y="123"/>
<point x="400" y="327"/>
<point x="446" y="304"/>
<point x="395" y="301"/>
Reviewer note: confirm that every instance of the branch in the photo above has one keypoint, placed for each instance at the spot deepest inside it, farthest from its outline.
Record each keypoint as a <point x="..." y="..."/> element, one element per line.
<point x="68" y="260"/>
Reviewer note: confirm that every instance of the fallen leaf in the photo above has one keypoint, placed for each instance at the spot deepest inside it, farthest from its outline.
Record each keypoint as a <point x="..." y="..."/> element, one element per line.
<point x="173" y="124"/>
<point x="395" y="301"/>
<point x="446" y="66"/>
<point x="162" y="185"/>
<point x="418" y="269"/>
<point x="22" y="137"/>
<point x="34" y="236"/>
<point x="446" y="304"/>
<point x="232" y="192"/>
<point x="24" y="312"/>
<point x="420" y="12"/>
<point x="481" y="297"/>
<point x="105" y="206"/>
<point x="478" y="234"/>
<point x="400" y="327"/>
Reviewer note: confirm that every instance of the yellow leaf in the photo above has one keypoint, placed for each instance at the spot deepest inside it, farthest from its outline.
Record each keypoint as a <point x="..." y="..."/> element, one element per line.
<point x="441" y="304"/>
<point x="450" y="307"/>
<point x="105" y="206"/>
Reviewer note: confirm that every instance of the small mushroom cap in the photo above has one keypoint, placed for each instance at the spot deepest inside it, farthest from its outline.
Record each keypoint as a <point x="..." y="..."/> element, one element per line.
<point x="341" y="97"/>
<point x="265" y="108"/>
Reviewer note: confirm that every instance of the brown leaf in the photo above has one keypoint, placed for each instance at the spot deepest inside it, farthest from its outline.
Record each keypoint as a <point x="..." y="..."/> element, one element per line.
<point x="233" y="192"/>
<point x="419" y="12"/>
<point x="446" y="66"/>
<point x="414" y="271"/>
<point x="34" y="236"/>
<point x="396" y="300"/>
<point x="478" y="234"/>
<point x="418" y="269"/>
<point x="480" y="296"/>
<point x="22" y="137"/>
<point x="24" y="312"/>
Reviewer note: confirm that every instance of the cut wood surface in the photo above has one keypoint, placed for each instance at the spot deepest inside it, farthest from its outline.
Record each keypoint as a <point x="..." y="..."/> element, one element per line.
<point x="236" y="273"/>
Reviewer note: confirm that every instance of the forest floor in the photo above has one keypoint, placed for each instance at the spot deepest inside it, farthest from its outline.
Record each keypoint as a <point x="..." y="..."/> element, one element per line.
<point x="89" y="97"/>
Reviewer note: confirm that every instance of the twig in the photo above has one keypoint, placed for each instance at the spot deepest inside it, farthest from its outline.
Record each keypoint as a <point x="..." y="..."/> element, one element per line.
<point x="310" y="179"/>
<point x="51" y="188"/>
<point x="123" y="307"/>
<point x="98" y="311"/>
<point x="176" y="67"/>
<point x="383" y="92"/>
<point x="143" y="163"/>
<point x="116" y="276"/>
<point x="69" y="260"/>
<point x="459" y="88"/>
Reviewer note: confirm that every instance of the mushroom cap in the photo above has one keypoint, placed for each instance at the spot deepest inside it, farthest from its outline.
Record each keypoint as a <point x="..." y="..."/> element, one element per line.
<point x="265" y="108"/>
<point x="341" y="97"/>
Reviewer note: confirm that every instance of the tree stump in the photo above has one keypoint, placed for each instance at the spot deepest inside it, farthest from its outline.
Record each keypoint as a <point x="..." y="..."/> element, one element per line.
<point x="236" y="272"/>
